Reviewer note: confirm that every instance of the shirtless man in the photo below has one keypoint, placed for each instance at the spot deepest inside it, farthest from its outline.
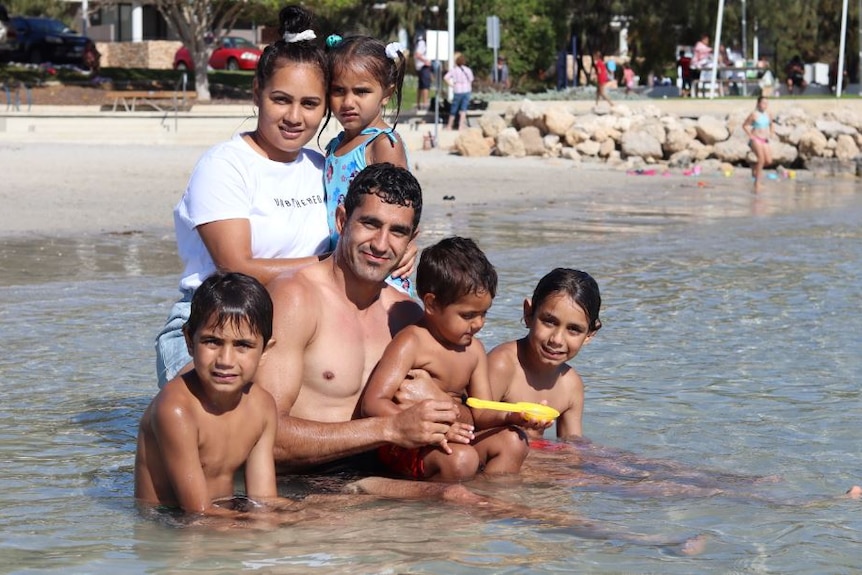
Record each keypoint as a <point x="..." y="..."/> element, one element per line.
<point x="334" y="318"/>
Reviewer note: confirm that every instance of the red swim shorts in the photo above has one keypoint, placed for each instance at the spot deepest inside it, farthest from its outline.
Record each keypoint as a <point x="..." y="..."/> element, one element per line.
<point x="546" y="445"/>
<point x="403" y="461"/>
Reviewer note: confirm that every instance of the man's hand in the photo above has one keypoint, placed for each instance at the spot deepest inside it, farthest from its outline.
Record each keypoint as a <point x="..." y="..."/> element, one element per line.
<point x="425" y="423"/>
<point x="418" y="387"/>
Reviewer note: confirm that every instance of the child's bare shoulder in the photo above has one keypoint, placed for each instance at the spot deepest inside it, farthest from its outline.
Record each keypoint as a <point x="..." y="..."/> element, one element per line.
<point x="175" y="403"/>
<point x="569" y="382"/>
<point x="504" y="357"/>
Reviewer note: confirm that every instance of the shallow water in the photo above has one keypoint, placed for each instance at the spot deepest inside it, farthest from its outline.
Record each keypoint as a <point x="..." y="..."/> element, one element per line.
<point x="730" y="349"/>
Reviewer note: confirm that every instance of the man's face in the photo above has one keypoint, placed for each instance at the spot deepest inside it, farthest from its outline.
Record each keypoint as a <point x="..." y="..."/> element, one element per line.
<point x="375" y="238"/>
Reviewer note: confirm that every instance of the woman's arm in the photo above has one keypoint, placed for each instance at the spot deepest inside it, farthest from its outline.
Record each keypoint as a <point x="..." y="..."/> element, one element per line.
<point x="229" y="244"/>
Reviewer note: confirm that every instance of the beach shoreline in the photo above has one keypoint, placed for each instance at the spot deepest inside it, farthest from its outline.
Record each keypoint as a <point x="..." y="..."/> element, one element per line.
<point x="65" y="189"/>
<point x="69" y="171"/>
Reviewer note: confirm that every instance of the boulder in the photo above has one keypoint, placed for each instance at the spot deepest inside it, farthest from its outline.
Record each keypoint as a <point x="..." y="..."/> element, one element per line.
<point x="833" y="129"/>
<point x="733" y="151"/>
<point x="845" y="116"/>
<point x="558" y="120"/>
<point x="812" y="144"/>
<point x="606" y="148"/>
<point x="783" y="154"/>
<point x="471" y="142"/>
<point x="588" y="148"/>
<point x="532" y="138"/>
<point x="641" y="143"/>
<point x="676" y="140"/>
<point x="846" y="148"/>
<point x="509" y="144"/>
<point x="570" y="153"/>
<point x="575" y="135"/>
<point x="711" y="130"/>
<point x="529" y="114"/>
<point x="492" y="124"/>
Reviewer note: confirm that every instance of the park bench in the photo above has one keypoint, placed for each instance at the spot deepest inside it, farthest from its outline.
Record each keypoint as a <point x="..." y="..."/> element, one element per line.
<point x="158" y="100"/>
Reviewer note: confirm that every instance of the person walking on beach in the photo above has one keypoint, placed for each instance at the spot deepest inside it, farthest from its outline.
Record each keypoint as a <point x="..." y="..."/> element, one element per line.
<point x="423" y="72"/>
<point x="461" y="79"/>
<point x="602" y="77"/>
<point x="457" y="284"/>
<point x="760" y="128"/>
<point x="366" y="76"/>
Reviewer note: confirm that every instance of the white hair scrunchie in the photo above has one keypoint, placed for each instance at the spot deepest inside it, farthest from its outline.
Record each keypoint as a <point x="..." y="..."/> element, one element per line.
<point x="393" y="49"/>
<point x="305" y="35"/>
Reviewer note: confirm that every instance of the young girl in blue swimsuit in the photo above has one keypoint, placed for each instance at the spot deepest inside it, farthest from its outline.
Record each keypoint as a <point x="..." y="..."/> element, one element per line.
<point x="365" y="76"/>
<point x="760" y="129"/>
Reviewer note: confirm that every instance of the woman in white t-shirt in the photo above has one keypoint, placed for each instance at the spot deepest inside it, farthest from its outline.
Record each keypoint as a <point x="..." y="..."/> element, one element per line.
<point x="255" y="204"/>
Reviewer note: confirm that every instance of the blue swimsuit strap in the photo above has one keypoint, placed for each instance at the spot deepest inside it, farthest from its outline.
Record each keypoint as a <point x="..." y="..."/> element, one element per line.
<point x="390" y="133"/>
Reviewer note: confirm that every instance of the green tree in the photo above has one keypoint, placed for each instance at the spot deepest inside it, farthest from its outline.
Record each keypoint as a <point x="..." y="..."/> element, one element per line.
<point x="196" y="22"/>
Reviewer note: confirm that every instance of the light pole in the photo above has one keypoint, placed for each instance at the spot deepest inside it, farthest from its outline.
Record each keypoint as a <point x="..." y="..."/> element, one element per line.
<point x="744" y="37"/>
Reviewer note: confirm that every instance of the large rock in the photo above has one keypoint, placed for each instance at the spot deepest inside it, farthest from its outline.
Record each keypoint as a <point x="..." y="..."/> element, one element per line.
<point x="588" y="148"/>
<point x="783" y="154"/>
<point x="833" y="129"/>
<point x="607" y="148"/>
<point x="845" y="116"/>
<point x="558" y="120"/>
<point x="699" y="150"/>
<point x="533" y="143"/>
<point x="654" y="127"/>
<point x="641" y="143"/>
<point x="492" y="124"/>
<point x="471" y="142"/>
<point x="676" y="140"/>
<point x="711" y="130"/>
<point x="733" y="151"/>
<point x="529" y="114"/>
<point x="509" y="144"/>
<point x="575" y="135"/>
<point x="794" y="117"/>
<point x="812" y="144"/>
<point x="846" y="147"/>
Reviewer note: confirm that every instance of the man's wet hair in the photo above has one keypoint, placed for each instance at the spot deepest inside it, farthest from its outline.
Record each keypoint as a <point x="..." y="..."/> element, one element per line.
<point x="231" y="298"/>
<point x="392" y="184"/>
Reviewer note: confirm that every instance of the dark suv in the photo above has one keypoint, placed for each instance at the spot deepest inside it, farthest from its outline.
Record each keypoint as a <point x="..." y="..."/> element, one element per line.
<point x="40" y="40"/>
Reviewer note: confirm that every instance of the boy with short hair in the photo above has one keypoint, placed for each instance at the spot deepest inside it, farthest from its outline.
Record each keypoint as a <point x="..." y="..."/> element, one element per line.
<point x="457" y="284"/>
<point x="206" y="424"/>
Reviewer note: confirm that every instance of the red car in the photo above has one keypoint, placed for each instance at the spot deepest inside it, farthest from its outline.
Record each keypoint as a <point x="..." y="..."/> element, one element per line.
<point x="234" y="54"/>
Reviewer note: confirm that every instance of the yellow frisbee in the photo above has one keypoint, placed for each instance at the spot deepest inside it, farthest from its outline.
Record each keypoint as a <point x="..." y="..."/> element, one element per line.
<point x="535" y="411"/>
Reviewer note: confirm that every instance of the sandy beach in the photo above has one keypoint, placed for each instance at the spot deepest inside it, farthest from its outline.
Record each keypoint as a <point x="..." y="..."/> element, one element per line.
<point x="70" y="172"/>
<point x="60" y="189"/>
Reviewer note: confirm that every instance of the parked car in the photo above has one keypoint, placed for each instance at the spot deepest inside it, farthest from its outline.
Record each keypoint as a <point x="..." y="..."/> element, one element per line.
<point x="234" y="54"/>
<point x="40" y="40"/>
<point x="7" y="34"/>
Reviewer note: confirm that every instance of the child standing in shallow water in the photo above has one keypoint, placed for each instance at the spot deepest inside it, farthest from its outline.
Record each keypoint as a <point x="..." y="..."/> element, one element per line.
<point x="365" y="76"/>
<point x="203" y="426"/>
<point x="457" y="284"/>
<point x="562" y="317"/>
